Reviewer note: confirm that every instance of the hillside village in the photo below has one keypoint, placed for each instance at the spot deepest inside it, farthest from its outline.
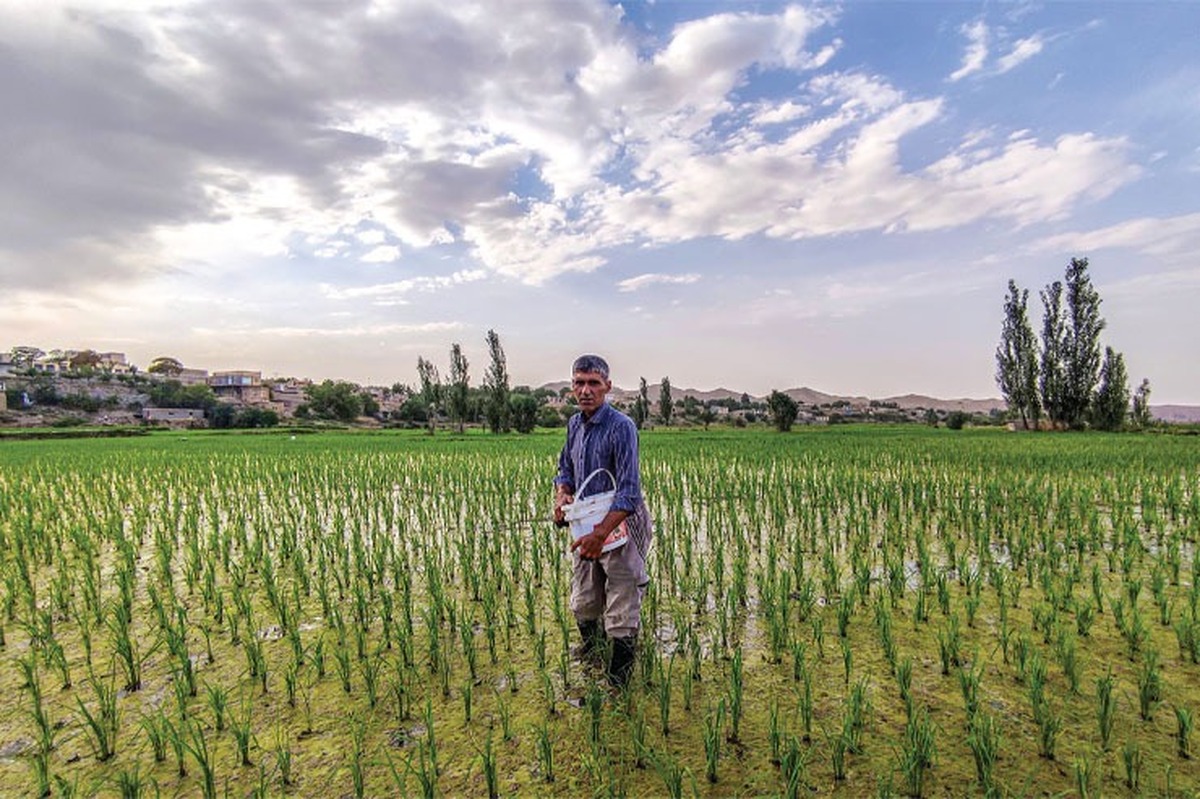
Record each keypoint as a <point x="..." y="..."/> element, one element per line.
<point x="63" y="387"/>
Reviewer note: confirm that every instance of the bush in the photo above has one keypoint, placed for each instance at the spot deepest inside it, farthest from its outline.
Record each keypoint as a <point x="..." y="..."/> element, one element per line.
<point x="68" y="421"/>
<point x="955" y="420"/>
<point x="80" y="402"/>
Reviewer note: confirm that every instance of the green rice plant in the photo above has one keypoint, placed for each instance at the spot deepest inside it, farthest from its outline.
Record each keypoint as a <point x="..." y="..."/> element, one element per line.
<point x="972" y="601"/>
<point x="949" y="645"/>
<point x="838" y="746"/>
<point x="735" y="694"/>
<point x="431" y="738"/>
<point x="1037" y="682"/>
<point x="193" y="740"/>
<point x="943" y="593"/>
<point x="1149" y="685"/>
<point x="774" y="732"/>
<point x="1083" y="777"/>
<point x="1106" y="708"/>
<point x="984" y="741"/>
<point x="102" y="726"/>
<point x="243" y="732"/>
<point x="548" y="694"/>
<point x="357" y="750"/>
<point x="968" y="683"/>
<point x="594" y="699"/>
<point x="1131" y="758"/>
<point x="818" y="631"/>
<point x="714" y="721"/>
<point x="1183" y="731"/>
<point x="545" y="751"/>
<point x="799" y="660"/>
<point x="341" y="660"/>
<point x="845" y="611"/>
<point x="904" y="683"/>
<point x="663" y="683"/>
<point x="1068" y="658"/>
<point x="670" y="772"/>
<point x="125" y="645"/>
<point x="793" y="768"/>
<point x="487" y="761"/>
<point x="156" y="728"/>
<point x="218" y="701"/>
<point x="1049" y="726"/>
<point x="370" y="667"/>
<point x="283" y="758"/>
<point x="917" y="751"/>
<point x="805" y="705"/>
<point x="130" y="783"/>
<point x="504" y="712"/>
<point x="847" y="660"/>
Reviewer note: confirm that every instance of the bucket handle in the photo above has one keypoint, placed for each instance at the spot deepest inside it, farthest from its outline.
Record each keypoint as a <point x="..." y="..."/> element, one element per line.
<point x="579" y="493"/>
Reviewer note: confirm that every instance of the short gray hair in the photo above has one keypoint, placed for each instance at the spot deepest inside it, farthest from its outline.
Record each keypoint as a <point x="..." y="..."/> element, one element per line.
<point x="590" y="363"/>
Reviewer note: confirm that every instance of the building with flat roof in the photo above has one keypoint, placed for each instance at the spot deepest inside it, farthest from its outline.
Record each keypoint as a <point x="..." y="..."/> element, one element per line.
<point x="241" y="387"/>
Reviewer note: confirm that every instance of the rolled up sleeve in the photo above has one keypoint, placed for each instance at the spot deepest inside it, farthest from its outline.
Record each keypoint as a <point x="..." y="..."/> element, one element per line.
<point x="629" y="481"/>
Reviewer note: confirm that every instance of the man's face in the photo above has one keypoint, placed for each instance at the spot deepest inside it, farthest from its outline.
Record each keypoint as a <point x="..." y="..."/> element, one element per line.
<point x="590" y="389"/>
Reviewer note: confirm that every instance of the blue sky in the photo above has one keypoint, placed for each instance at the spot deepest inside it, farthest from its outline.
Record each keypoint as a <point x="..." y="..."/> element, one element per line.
<point x="750" y="195"/>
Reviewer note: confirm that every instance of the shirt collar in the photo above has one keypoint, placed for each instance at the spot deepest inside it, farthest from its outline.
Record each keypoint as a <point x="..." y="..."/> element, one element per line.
<point x="599" y="416"/>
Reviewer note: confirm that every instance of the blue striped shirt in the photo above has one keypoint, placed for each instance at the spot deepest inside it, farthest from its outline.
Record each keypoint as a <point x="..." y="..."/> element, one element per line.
<point x="608" y="440"/>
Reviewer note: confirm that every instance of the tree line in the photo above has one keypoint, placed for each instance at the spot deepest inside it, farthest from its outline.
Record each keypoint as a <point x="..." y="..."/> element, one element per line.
<point x="1062" y="381"/>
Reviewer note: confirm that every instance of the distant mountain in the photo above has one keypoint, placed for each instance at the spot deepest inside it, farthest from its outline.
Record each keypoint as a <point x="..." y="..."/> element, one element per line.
<point x="906" y="402"/>
<point x="806" y="396"/>
<point x="1176" y="413"/>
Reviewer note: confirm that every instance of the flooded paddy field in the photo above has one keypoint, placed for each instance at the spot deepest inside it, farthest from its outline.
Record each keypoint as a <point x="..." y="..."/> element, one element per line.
<point x="832" y="612"/>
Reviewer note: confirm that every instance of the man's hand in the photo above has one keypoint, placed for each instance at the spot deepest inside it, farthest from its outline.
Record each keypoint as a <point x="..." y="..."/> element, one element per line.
<point x="591" y="545"/>
<point x="562" y="497"/>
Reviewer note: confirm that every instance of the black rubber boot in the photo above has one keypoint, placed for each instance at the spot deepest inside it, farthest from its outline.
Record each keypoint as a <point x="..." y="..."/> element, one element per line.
<point x="620" y="666"/>
<point x="591" y="645"/>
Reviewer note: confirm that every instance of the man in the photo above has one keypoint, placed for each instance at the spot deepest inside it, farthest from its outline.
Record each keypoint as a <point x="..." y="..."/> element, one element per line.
<point x="606" y="587"/>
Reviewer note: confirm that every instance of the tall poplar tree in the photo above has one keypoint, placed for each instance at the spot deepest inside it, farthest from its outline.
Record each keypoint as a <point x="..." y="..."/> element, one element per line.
<point x="665" y="404"/>
<point x="641" y="405"/>
<point x="1083" y="325"/>
<point x="496" y="386"/>
<point x="1017" y="360"/>
<point x="459" y="388"/>
<point x="1053" y="371"/>
<point x="431" y="390"/>
<point x="1111" y="405"/>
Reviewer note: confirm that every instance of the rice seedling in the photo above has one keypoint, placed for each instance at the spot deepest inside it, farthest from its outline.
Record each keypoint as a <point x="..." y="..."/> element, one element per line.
<point x="1131" y="758"/>
<point x="713" y="723"/>
<point x="545" y="751"/>
<point x="917" y="751"/>
<point x="1183" y="732"/>
<point x="985" y="742"/>
<point x="1106" y="708"/>
<point x="102" y="725"/>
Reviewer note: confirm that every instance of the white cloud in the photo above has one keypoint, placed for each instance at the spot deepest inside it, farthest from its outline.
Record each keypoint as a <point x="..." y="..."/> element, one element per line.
<point x="976" y="52"/>
<point x="1174" y="238"/>
<point x="397" y="290"/>
<point x="355" y="331"/>
<point x="381" y="255"/>
<point x="649" y="279"/>
<point x="1021" y="52"/>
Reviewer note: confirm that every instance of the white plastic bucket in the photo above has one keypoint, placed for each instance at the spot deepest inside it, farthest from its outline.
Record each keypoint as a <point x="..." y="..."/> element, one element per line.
<point x="584" y="514"/>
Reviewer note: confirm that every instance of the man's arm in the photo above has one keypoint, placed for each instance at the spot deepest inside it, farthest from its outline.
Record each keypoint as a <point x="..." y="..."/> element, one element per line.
<point x="628" y="472"/>
<point x="564" y="481"/>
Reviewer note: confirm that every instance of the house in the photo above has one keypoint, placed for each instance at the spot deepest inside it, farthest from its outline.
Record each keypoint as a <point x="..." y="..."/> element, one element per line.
<point x="192" y="377"/>
<point x="3" y="397"/>
<point x="240" y="387"/>
<point x="113" y="363"/>
<point x="289" y="395"/>
<point x="173" y="416"/>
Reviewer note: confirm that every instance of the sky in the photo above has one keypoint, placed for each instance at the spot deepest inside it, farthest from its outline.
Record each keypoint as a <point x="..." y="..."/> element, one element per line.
<point x="749" y="195"/>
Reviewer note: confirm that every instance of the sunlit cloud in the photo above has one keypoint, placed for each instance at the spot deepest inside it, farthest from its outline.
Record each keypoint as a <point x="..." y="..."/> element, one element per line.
<point x="642" y="281"/>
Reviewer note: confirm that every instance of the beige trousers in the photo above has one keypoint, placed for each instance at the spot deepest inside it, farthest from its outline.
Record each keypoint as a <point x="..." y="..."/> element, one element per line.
<point x="611" y="588"/>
